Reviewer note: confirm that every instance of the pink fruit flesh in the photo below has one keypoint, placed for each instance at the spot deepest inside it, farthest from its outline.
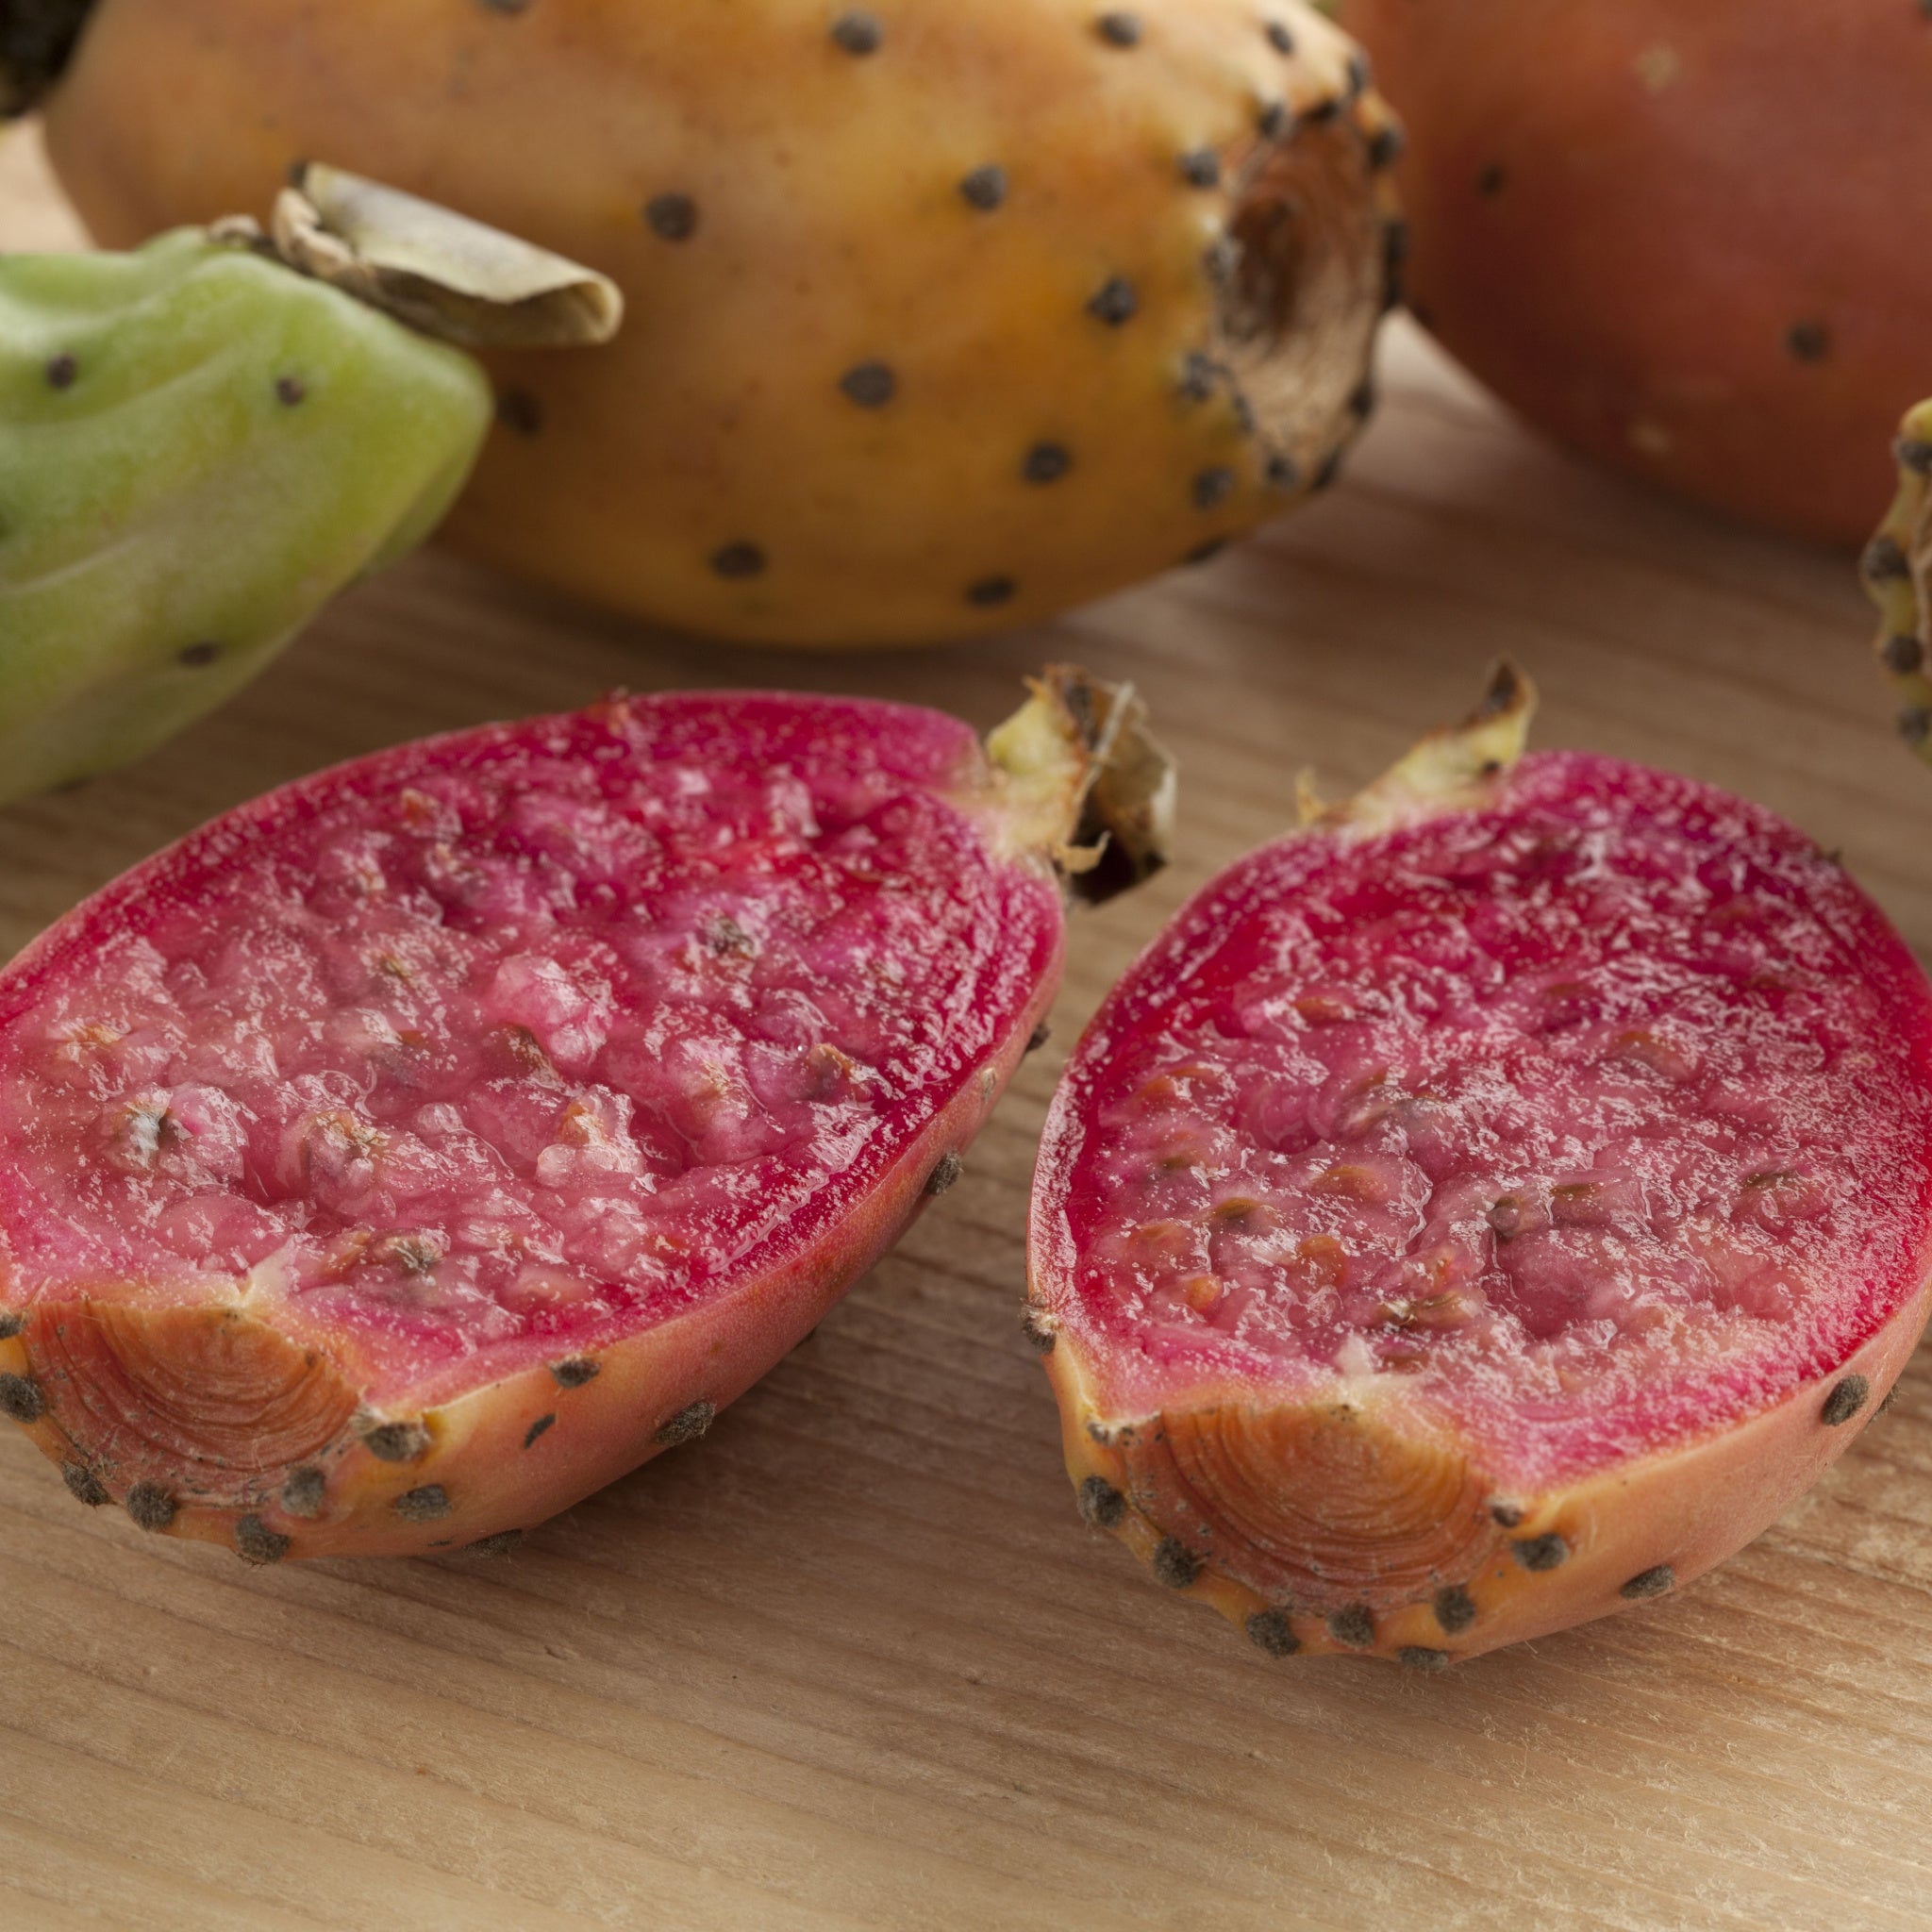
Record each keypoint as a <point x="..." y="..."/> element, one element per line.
<point x="1589" y="1123"/>
<point x="493" y="1052"/>
<point x="486" y="1052"/>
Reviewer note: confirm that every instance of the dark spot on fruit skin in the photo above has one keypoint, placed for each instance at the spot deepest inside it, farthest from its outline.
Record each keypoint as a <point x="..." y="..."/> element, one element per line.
<point x="1809" y="342"/>
<point x="1269" y="1630"/>
<point x="1491" y="180"/>
<point x="1354" y="1626"/>
<point x="519" y="411"/>
<point x="62" y="372"/>
<point x="1358" y="75"/>
<point x="151" y="1507"/>
<point x="984" y="188"/>
<point x="538" y="1427"/>
<point x="1385" y="146"/>
<point x="501" y="1544"/>
<point x="505" y="5"/>
<point x="1913" y="455"/>
<point x="303" y="1491"/>
<point x="1884" y="560"/>
<point x="1506" y="1514"/>
<point x="429" y="1503"/>
<point x="739" y="561"/>
<point x="947" y="1170"/>
<point x="21" y="1398"/>
<point x="1119" y="29"/>
<point x="1039" y="1037"/>
<point x="290" y="389"/>
<point x="1323" y="111"/>
<point x="1115" y="302"/>
<point x="1273" y="122"/>
<point x="872" y="385"/>
<point x="1037" y="1326"/>
<point x="255" y="1543"/>
<point x="1362" y="399"/>
<point x="1848" y="1396"/>
<point x="1455" y="1608"/>
<point x="84" y="1486"/>
<point x="1418" y="1656"/>
<point x="1046" y="462"/>
<point x="1329" y="469"/>
<point x="672" y="217"/>
<point x="10" y="1325"/>
<point x="397" y="1441"/>
<point x="858" y="32"/>
<point x="574" y="1371"/>
<point x="1914" y="724"/>
<point x="1212" y="488"/>
<point x="1654" y="1582"/>
<point x="1281" y="473"/>
<point x="1101" y="1504"/>
<point x="991" y="590"/>
<point x="686" y="1425"/>
<point x="197" y="656"/>
<point x="1201" y="168"/>
<point x="1279" y="38"/>
<point x="1540" y="1553"/>
<point x="1174" y="1564"/>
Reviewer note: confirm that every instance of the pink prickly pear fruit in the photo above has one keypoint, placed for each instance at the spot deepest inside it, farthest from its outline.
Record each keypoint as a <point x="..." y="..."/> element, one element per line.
<point x="1488" y="1208"/>
<point x="945" y="314"/>
<point x="410" y="1151"/>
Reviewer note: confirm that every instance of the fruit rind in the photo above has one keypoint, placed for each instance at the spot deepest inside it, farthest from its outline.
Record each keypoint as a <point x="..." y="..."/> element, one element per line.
<point x="1896" y="569"/>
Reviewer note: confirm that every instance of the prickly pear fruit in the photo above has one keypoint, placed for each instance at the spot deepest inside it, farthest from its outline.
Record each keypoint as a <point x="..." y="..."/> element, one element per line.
<point x="948" y="315"/>
<point x="1487" y="1208"/>
<point x="1896" y="565"/>
<point x="407" y="1153"/>
<point x="1667" y="233"/>
<point x="197" y="450"/>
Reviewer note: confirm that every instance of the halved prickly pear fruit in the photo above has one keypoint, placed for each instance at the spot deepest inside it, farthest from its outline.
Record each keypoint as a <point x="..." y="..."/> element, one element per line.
<point x="412" y="1150"/>
<point x="950" y="313"/>
<point x="1488" y="1208"/>
<point x="1896" y="566"/>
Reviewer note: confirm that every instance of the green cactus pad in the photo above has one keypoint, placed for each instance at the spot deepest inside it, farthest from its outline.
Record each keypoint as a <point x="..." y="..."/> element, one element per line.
<point x="199" y="448"/>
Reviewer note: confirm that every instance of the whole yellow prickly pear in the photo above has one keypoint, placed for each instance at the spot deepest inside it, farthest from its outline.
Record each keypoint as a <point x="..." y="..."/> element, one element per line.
<point x="947" y="315"/>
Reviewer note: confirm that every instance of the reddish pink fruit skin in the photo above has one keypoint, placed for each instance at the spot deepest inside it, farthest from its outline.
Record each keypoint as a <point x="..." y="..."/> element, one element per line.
<point x="156" y="1376"/>
<point x="1669" y="233"/>
<point x="1331" y="1511"/>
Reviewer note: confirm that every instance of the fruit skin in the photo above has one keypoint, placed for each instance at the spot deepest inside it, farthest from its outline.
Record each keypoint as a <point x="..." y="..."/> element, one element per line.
<point x="197" y="450"/>
<point x="870" y="391"/>
<point x="1894" y="568"/>
<point x="1665" y="233"/>
<point x="1361" y="1524"/>
<point x="215" y="1405"/>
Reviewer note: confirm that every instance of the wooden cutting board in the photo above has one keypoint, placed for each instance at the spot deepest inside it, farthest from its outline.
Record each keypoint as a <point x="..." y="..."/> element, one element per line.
<point x="854" y="1660"/>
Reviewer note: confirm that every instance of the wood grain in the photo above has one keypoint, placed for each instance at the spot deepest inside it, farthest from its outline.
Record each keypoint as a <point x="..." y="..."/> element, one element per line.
<point x="854" y="1661"/>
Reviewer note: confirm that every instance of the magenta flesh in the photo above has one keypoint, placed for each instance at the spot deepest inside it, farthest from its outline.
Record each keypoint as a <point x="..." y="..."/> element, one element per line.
<point x="1601" y="1116"/>
<point x="485" y="1051"/>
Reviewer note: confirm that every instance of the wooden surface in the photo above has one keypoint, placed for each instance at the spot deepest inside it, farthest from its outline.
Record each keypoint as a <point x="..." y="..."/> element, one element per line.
<point x="854" y="1660"/>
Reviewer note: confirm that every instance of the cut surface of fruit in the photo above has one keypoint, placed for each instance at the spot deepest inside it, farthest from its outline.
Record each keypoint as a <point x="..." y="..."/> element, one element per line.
<point x="1440" y="1160"/>
<point x="458" y="1068"/>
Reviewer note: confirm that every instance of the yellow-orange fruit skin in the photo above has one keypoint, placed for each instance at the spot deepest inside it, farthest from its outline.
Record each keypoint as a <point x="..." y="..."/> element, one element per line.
<point x="1670" y="233"/>
<point x="1379" y="1510"/>
<point x="712" y="469"/>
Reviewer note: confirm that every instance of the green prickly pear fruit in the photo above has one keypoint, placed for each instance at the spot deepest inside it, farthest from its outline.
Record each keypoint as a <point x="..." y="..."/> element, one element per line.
<point x="198" y="449"/>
